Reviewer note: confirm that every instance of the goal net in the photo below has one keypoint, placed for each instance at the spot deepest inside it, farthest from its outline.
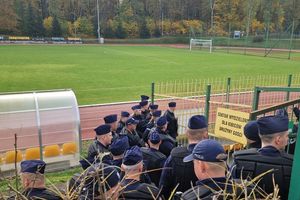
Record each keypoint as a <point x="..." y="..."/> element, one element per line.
<point x="201" y="44"/>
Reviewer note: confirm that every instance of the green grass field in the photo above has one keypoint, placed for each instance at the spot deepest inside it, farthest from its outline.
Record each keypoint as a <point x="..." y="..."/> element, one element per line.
<point x="101" y="74"/>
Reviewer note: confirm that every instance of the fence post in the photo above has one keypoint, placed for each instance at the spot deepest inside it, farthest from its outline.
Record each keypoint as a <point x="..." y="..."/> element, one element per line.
<point x="152" y="92"/>
<point x="289" y="85"/>
<point x="255" y="100"/>
<point x="294" y="192"/>
<point x="207" y="99"/>
<point x="228" y="90"/>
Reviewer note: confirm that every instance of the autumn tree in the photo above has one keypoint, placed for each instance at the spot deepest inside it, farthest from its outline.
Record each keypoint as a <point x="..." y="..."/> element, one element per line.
<point x="8" y="17"/>
<point x="48" y="22"/>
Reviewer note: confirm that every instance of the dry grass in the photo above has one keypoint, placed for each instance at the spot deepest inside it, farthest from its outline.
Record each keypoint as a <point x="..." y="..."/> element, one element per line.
<point x="241" y="189"/>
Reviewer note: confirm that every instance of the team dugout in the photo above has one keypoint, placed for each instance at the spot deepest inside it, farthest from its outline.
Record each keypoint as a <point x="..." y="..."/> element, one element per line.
<point x="43" y="125"/>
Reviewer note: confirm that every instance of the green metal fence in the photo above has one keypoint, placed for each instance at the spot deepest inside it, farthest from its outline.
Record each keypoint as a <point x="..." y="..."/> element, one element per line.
<point x="196" y="97"/>
<point x="294" y="193"/>
<point x="205" y="96"/>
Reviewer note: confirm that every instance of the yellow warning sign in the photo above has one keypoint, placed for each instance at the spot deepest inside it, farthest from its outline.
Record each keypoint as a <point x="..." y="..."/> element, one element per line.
<point x="230" y="124"/>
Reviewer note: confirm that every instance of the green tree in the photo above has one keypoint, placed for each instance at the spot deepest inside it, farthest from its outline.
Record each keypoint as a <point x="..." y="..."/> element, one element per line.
<point x="20" y="12"/>
<point x="33" y="22"/>
<point x="157" y="32"/>
<point x="29" y="21"/>
<point x="39" y="29"/>
<point x="108" y="29"/>
<point x="56" y="29"/>
<point x="85" y="26"/>
<point x="144" y="30"/>
<point x="108" y="32"/>
<point x="120" y="31"/>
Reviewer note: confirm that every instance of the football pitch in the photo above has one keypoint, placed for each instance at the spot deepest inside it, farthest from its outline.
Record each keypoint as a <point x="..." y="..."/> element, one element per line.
<point x="103" y="74"/>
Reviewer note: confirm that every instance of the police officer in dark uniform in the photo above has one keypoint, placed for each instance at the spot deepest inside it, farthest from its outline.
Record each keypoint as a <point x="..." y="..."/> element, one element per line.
<point x="292" y="141"/>
<point x="273" y="131"/>
<point x="144" y="109"/>
<point x="168" y="143"/>
<point x="137" y="115"/>
<point x="151" y="124"/>
<point x="141" y="127"/>
<point x="173" y="122"/>
<point x="130" y="131"/>
<point x="100" y="177"/>
<point x="152" y="108"/>
<point x="133" y="187"/>
<point x="117" y="149"/>
<point x="153" y="158"/>
<point x="101" y="143"/>
<point x="251" y="134"/>
<point x="209" y="160"/>
<point x="175" y="170"/>
<point x="33" y="181"/>
<point x="121" y="124"/>
<point x="144" y="98"/>
<point x="112" y="121"/>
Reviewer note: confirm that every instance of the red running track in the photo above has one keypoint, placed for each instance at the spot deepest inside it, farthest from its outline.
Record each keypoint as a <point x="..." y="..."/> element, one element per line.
<point x="91" y="116"/>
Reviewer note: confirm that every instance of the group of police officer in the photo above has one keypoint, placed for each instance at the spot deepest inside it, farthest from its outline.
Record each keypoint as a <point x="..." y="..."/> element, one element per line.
<point x="138" y="157"/>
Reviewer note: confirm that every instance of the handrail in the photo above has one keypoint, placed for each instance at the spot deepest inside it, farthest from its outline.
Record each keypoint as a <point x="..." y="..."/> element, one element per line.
<point x="256" y="113"/>
<point x="294" y="193"/>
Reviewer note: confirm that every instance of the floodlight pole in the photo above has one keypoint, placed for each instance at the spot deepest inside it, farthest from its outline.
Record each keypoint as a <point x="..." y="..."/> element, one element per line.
<point x="98" y="22"/>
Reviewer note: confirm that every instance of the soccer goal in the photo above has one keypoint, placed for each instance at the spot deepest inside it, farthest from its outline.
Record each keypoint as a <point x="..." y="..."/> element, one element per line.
<point x="202" y="44"/>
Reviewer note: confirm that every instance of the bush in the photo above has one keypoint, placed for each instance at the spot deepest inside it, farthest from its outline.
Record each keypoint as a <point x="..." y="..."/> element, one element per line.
<point x="144" y="30"/>
<point x="157" y="32"/>
<point x="120" y="31"/>
<point x="258" y="39"/>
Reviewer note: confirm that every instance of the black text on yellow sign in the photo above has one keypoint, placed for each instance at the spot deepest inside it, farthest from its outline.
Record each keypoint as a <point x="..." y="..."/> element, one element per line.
<point x="230" y="125"/>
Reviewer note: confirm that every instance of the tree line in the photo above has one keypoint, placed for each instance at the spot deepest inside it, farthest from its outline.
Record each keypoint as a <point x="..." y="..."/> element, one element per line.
<point x="146" y="18"/>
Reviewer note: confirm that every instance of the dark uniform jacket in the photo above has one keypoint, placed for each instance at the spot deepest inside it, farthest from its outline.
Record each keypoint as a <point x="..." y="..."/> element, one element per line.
<point x="256" y="145"/>
<point x="118" y="164"/>
<point x="95" y="149"/>
<point x="149" y="116"/>
<point x="253" y="162"/>
<point x="137" y="190"/>
<point x="145" y="114"/>
<point x="133" y="138"/>
<point x="153" y="159"/>
<point x="121" y="125"/>
<point x="178" y="172"/>
<point x="38" y="193"/>
<point x="89" y="187"/>
<point x="172" y="123"/>
<point x="141" y="126"/>
<point x="207" y="188"/>
<point x="144" y="177"/>
<point x="149" y="126"/>
<point x="115" y="135"/>
<point x="74" y="183"/>
<point x="167" y="142"/>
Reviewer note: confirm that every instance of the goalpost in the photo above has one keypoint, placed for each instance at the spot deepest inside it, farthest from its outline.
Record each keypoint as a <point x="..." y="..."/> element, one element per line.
<point x="201" y="43"/>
